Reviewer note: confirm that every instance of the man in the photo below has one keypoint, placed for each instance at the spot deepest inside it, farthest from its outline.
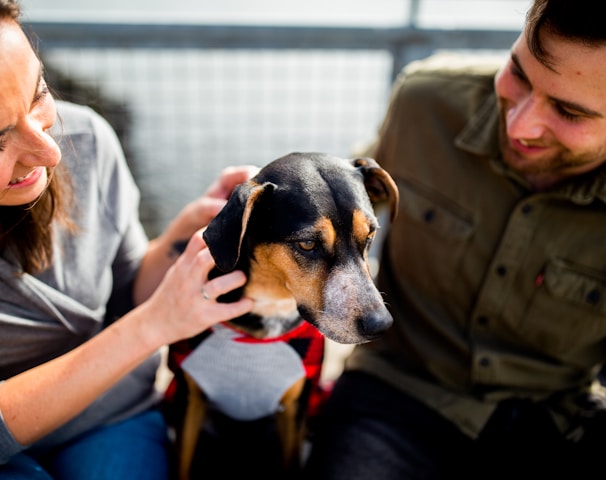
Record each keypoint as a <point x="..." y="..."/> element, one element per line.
<point x="495" y="269"/>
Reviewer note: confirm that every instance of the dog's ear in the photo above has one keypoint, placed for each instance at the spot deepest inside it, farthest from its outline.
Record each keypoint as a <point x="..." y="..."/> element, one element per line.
<point x="379" y="184"/>
<point x="225" y="233"/>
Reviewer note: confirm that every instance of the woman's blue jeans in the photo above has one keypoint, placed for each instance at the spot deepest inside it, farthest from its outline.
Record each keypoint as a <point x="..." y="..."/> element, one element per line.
<point x="134" y="449"/>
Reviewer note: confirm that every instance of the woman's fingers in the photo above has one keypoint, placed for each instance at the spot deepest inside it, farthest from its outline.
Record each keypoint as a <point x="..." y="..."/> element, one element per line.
<point x="192" y="306"/>
<point x="223" y="284"/>
<point x="229" y="178"/>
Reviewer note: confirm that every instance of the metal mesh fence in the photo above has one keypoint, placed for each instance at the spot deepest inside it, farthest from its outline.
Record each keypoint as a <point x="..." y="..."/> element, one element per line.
<point x="184" y="114"/>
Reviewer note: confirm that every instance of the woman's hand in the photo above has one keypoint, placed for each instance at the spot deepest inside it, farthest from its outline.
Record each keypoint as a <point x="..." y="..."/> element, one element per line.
<point x="161" y="253"/>
<point x="201" y="211"/>
<point x="184" y="304"/>
<point x="178" y="309"/>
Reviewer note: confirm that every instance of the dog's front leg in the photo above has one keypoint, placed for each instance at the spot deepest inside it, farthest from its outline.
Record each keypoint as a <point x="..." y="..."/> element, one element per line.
<point x="290" y="426"/>
<point x="187" y="438"/>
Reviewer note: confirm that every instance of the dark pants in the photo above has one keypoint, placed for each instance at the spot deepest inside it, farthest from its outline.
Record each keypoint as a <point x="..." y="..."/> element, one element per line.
<point x="372" y="431"/>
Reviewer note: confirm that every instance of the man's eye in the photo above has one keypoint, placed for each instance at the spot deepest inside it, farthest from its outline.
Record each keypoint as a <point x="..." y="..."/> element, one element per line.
<point x="516" y="72"/>
<point x="566" y="114"/>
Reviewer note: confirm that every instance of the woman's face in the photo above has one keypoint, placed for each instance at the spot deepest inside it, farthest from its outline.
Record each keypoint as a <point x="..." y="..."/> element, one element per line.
<point x="27" y="110"/>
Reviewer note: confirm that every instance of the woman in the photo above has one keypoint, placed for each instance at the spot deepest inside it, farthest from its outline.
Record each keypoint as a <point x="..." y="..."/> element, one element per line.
<point x="85" y="300"/>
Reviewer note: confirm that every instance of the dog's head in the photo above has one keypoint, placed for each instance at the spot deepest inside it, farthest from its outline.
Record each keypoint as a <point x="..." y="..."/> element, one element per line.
<point x="301" y="230"/>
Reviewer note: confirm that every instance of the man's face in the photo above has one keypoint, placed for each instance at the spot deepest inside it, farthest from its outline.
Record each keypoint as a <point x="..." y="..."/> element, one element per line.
<point x="553" y="120"/>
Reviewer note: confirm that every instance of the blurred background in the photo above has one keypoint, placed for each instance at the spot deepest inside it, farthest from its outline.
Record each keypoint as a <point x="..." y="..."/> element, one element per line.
<point x="192" y="86"/>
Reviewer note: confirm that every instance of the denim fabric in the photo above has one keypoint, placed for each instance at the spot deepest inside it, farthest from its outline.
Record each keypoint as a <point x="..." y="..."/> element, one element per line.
<point x="134" y="449"/>
<point x="23" y="467"/>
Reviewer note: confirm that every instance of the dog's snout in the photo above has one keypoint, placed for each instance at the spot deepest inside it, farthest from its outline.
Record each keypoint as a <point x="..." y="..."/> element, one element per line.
<point x="374" y="324"/>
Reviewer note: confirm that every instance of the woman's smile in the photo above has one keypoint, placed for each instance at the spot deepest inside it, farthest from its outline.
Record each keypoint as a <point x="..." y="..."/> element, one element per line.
<point x="26" y="180"/>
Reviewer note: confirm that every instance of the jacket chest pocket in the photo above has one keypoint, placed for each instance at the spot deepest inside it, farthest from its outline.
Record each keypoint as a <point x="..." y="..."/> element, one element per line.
<point x="567" y="314"/>
<point x="429" y="238"/>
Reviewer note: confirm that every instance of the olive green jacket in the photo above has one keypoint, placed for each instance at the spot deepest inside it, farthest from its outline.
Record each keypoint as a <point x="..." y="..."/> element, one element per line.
<point x="496" y="291"/>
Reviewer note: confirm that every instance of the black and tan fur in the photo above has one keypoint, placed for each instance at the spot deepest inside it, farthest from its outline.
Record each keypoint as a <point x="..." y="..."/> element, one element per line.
<point x="301" y="231"/>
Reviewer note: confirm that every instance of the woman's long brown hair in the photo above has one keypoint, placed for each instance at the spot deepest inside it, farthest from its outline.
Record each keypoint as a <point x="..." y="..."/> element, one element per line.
<point x="26" y="231"/>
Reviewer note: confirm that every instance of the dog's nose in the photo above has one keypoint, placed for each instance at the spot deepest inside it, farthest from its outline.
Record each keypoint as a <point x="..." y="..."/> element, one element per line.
<point x="373" y="324"/>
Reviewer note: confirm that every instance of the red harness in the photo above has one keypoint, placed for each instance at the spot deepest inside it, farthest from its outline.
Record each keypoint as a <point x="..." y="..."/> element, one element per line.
<point x="305" y="340"/>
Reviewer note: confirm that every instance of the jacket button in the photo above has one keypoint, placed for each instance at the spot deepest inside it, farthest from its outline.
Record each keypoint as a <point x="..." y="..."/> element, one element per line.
<point x="593" y="297"/>
<point x="429" y="216"/>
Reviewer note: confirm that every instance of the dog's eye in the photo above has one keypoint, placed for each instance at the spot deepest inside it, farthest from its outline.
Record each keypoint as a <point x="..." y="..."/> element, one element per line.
<point x="307" y="245"/>
<point x="370" y="238"/>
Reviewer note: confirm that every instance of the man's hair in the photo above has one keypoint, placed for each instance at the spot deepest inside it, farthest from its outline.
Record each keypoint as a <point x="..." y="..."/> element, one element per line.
<point x="9" y="9"/>
<point x="576" y="20"/>
<point x="26" y="231"/>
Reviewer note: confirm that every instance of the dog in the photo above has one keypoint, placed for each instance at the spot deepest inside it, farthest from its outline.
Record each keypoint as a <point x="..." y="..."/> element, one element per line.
<point x="301" y="230"/>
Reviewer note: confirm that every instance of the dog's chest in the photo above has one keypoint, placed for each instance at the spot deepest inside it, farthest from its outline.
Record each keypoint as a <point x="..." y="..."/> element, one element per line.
<point x="244" y="377"/>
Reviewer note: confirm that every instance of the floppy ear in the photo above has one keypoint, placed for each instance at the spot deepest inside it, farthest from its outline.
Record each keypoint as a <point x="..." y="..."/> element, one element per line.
<point x="379" y="184"/>
<point x="225" y="233"/>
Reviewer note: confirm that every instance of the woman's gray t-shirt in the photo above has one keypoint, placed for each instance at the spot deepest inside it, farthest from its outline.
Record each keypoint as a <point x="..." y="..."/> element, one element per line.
<point x="89" y="283"/>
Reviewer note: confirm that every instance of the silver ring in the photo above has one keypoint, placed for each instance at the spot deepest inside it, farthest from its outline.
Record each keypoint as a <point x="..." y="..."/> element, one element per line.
<point x="205" y="295"/>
